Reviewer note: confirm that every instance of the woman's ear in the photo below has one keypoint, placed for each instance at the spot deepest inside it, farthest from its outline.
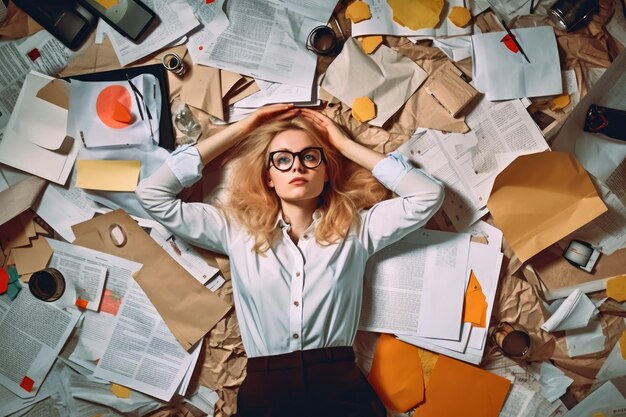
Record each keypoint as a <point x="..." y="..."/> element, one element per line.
<point x="270" y="183"/>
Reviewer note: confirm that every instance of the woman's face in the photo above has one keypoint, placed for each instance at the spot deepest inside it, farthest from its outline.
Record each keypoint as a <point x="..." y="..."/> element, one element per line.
<point x="299" y="183"/>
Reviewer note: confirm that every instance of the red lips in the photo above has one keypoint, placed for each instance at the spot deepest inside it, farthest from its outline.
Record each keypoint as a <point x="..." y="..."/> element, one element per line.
<point x="298" y="180"/>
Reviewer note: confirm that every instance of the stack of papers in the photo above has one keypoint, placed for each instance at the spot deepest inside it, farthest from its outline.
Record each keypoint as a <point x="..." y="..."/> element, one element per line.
<point x="435" y="290"/>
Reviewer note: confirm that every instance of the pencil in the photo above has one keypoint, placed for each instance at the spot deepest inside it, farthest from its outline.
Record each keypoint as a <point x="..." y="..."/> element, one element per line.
<point x="506" y="27"/>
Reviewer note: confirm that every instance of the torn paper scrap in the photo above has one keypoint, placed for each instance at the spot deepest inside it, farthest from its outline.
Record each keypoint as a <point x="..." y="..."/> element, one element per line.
<point x="574" y="313"/>
<point x="553" y="381"/>
<point x="616" y="288"/>
<point x="358" y="11"/>
<point x="586" y="340"/>
<point x="416" y="14"/>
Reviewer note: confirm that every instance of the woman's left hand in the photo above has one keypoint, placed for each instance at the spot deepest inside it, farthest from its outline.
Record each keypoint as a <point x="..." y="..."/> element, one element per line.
<point x="336" y="136"/>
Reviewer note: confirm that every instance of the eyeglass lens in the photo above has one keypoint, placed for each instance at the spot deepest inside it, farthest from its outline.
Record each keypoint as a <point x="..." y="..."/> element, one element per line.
<point x="309" y="157"/>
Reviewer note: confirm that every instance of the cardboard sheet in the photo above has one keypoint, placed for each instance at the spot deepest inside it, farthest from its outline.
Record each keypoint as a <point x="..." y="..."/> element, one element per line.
<point x="32" y="258"/>
<point x="540" y="198"/>
<point x="385" y="76"/>
<point x="202" y="89"/>
<point x="458" y="389"/>
<point x="188" y="308"/>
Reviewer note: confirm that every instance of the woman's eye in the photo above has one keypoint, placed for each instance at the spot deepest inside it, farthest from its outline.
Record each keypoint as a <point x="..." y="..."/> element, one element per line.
<point x="310" y="157"/>
<point x="283" y="160"/>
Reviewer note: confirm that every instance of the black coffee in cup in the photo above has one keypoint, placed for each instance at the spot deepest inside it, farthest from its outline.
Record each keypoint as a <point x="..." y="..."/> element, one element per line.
<point x="47" y="284"/>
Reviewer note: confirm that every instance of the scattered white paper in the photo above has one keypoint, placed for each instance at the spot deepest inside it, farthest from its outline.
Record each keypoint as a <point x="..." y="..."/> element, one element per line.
<point x="469" y="163"/>
<point x="553" y="381"/>
<point x="614" y="366"/>
<point x="605" y="397"/>
<point x="264" y="40"/>
<point x="176" y="19"/>
<point x="408" y="280"/>
<point x="33" y="333"/>
<point x="91" y="111"/>
<point x="386" y="77"/>
<point x="270" y="93"/>
<point x="574" y="312"/>
<point x="586" y="340"/>
<point x="457" y="48"/>
<point x="503" y="74"/>
<point x="32" y="119"/>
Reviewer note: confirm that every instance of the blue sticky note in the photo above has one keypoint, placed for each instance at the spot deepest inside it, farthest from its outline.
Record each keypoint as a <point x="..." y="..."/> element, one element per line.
<point x="13" y="275"/>
<point x="14" y="289"/>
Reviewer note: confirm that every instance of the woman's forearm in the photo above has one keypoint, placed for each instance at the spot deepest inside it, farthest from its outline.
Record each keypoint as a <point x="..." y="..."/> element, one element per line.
<point x="213" y="146"/>
<point x="365" y="157"/>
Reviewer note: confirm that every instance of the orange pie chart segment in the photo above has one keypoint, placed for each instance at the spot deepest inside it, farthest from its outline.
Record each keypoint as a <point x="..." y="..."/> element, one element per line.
<point x="113" y="107"/>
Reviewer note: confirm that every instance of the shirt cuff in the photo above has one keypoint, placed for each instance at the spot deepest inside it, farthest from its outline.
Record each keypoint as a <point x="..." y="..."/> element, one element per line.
<point x="186" y="164"/>
<point x="392" y="169"/>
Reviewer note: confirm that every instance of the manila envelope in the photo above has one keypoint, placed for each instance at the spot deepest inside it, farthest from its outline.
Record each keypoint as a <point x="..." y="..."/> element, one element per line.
<point x="189" y="309"/>
<point x="202" y="89"/>
<point x="541" y="198"/>
<point x="20" y="197"/>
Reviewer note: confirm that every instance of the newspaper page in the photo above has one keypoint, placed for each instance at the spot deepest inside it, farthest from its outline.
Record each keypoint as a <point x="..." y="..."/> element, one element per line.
<point x="469" y="163"/>
<point x="264" y="40"/>
<point x="142" y="354"/>
<point x="176" y="20"/>
<point x="41" y="52"/>
<point x="213" y="21"/>
<point x="382" y="23"/>
<point x="97" y="327"/>
<point x="407" y="280"/>
<point x="33" y="333"/>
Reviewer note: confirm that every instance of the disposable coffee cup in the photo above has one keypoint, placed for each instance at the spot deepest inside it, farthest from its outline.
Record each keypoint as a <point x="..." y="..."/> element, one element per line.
<point x="47" y="285"/>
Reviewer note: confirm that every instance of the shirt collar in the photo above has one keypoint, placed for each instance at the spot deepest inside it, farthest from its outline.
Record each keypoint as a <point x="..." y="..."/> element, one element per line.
<point x="281" y="223"/>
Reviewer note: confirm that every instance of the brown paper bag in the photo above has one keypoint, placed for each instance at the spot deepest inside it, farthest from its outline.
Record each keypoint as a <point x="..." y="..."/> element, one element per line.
<point x="188" y="308"/>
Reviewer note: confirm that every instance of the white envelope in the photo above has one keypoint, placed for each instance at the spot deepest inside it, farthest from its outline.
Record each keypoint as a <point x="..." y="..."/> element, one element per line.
<point x="503" y="74"/>
<point x="35" y="139"/>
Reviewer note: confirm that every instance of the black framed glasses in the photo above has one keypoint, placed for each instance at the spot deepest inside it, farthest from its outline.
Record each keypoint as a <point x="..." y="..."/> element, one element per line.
<point x="283" y="160"/>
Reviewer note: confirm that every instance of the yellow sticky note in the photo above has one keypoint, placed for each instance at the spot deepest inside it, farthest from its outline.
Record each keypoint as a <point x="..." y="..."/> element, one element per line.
<point x="107" y="175"/>
<point x="358" y="11"/>
<point x="120" y="391"/>
<point x="107" y="4"/>
<point x="416" y="14"/>
<point x="370" y="43"/>
<point x="363" y="109"/>
<point x="622" y="345"/>
<point x="475" y="308"/>
<point x="460" y="16"/>
<point x="560" y="102"/>
<point x="616" y="288"/>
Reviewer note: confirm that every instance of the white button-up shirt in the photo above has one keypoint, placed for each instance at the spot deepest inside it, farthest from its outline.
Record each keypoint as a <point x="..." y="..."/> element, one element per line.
<point x="296" y="295"/>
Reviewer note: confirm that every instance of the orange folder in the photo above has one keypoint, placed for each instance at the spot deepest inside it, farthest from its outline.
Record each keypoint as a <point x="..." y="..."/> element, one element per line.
<point x="396" y="374"/>
<point x="459" y="389"/>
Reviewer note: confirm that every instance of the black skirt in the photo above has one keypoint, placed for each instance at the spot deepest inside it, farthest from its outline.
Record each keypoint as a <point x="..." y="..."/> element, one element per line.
<point x="318" y="382"/>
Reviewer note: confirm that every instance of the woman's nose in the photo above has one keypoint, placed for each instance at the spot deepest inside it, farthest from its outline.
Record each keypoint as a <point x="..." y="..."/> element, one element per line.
<point x="297" y="165"/>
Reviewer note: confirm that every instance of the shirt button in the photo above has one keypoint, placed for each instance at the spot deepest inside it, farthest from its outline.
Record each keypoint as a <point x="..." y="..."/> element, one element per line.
<point x="305" y="237"/>
<point x="296" y="303"/>
<point x="295" y="335"/>
<point x="297" y="274"/>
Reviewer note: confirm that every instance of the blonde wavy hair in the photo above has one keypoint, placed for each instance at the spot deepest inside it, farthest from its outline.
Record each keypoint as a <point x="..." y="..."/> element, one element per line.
<point x="255" y="205"/>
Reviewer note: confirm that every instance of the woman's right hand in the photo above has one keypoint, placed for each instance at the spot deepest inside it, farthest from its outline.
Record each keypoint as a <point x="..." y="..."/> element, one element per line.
<point x="266" y="114"/>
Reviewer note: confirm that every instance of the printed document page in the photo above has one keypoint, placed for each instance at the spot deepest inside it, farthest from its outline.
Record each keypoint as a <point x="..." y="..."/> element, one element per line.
<point x="176" y="20"/>
<point x="264" y="40"/>
<point x="469" y="163"/>
<point x="142" y="353"/>
<point x="409" y="279"/>
<point x="33" y="333"/>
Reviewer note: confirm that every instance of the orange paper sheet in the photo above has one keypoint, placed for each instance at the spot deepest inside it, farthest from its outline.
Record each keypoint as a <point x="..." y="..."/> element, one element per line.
<point x="459" y="389"/>
<point x="396" y="373"/>
<point x="475" y="308"/>
<point x="616" y="288"/>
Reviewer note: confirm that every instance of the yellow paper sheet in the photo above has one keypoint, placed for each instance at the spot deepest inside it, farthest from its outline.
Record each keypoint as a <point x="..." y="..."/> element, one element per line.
<point x="370" y="43"/>
<point x="459" y="389"/>
<point x="616" y="288"/>
<point x="475" y="308"/>
<point x="363" y="109"/>
<point x="541" y="198"/>
<point x="358" y="11"/>
<point x="460" y="16"/>
<point x="107" y="175"/>
<point x="416" y="14"/>
<point x="396" y="373"/>
<point x="107" y="4"/>
<point x="120" y="391"/>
